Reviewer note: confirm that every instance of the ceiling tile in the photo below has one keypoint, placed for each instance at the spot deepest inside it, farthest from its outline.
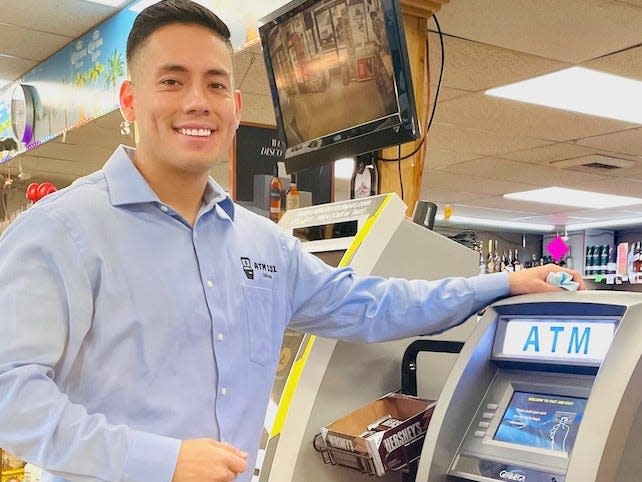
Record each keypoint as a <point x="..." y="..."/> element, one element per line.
<point x="29" y="44"/>
<point x="480" y="111"/>
<point x="12" y="68"/>
<point x="543" y="27"/>
<point x="627" y="63"/>
<point x="520" y="208"/>
<point x="49" y="18"/>
<point x="623" y="187"/>
<point x="549" y="153"/>
<point x="472" y="66"/>
<point x="443" y="196"/>
<point x="506" y="170"/>
<point x="477" y="141"/>
<point x="625" y="142"/>
<point x="436" y="180"/>
<point x="440" y="158"/>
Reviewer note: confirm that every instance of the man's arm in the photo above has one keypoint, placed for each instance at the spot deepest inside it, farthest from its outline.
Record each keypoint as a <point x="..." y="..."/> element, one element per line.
<point x="47" y="306"/>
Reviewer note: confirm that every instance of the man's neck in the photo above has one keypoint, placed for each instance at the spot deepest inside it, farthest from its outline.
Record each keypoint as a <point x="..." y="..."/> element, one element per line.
<point x="182" y="191"/>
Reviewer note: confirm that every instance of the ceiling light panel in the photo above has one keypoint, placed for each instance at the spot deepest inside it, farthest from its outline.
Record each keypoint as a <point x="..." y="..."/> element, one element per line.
<point x="574" y="197"/>
<point x="583" y="90"/>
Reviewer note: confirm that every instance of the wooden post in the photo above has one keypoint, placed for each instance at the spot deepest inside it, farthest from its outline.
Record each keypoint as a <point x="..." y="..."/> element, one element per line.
<point x="415" y="18"/>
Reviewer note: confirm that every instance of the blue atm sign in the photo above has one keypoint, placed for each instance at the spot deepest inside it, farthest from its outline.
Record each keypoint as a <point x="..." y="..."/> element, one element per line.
<point x="562" y="340"/>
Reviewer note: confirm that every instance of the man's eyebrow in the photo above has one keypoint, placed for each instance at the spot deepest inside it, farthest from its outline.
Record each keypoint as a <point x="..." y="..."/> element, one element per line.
<point x="182" y="69"/>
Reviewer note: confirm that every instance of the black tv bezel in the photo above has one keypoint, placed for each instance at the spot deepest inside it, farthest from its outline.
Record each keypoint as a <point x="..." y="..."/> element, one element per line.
<point x="397" y="128"/>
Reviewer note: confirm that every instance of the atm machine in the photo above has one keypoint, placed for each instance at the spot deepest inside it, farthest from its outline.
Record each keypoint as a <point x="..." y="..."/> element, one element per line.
<point x="547" y="388"/>
<point x="320" y="380"/>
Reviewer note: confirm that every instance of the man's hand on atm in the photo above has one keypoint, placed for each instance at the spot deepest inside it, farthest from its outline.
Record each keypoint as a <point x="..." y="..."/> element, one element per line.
<point x="533" y="280"/>
<point x="208" y="460"/>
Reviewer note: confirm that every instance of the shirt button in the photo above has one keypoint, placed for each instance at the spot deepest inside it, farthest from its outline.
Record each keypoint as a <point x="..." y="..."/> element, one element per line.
<point x="220" y="337"/>
<point x="164" y="208"/>
<point x="223" y="391"/>
<point x="209" y="284"/>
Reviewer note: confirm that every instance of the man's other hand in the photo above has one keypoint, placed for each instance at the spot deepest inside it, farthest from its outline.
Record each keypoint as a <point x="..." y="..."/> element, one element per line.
<point x="533" y="280"/>
<point x="206" y="460"/>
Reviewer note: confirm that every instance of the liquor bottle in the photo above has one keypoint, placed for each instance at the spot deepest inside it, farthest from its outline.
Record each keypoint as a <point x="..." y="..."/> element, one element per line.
<point x="588" y="261"/>
<point x="604" y="259"/>
<point x="496" y="257"/>
<point x="612" y="265"/>
<point x="570" y="262"/>
<point x="517" y="264"/>
<point x="490" y="262"/>
<point x="637" y="255"/>
<point x="275" y="195"/>
<point x="292" y="198"/>
<point x="597" y="259"/>
<point x="365" y="177"/>
<point x="509" y="261"/>
<point x="482" y="264"/>
<point x="629" y="259"/>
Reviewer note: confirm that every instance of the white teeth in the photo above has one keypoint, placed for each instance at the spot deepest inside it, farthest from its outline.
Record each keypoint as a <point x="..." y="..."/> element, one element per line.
<point x="195" y="132"/>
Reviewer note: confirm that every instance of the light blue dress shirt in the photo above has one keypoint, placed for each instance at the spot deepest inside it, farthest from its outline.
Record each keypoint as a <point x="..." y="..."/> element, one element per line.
<point x="125" y="330"/>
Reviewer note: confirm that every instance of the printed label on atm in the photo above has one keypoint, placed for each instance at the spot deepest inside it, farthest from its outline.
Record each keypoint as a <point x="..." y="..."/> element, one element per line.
<point x="558" y="340"/>
<point x="505" y="472"/>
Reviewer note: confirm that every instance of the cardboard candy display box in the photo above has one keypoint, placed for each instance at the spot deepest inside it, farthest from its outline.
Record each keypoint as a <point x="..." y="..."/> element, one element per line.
<point x="380" y="437"/>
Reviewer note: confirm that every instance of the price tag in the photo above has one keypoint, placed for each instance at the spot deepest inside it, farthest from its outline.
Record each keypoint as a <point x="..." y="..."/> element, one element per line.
<point x="598" y="278"/>
<point x="610" y="279"/>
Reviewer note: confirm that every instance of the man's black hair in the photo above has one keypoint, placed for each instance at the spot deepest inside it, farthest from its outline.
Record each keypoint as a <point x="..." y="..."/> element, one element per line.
<point x="169" y="12"/>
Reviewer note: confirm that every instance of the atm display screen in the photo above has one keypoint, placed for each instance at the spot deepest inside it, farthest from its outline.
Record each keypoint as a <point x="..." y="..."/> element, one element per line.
<point x="541" y="420"/>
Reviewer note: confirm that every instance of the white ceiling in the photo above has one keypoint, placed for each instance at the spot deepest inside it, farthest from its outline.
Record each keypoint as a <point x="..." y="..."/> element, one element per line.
<point x="479" y="147"/>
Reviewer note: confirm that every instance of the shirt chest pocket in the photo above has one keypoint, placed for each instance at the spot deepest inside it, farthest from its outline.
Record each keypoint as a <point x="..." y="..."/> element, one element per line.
<point x="258" y="306"/>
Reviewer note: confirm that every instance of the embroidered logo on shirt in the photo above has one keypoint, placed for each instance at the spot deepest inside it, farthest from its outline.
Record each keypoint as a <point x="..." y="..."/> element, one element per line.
<point x="249" y="268"/>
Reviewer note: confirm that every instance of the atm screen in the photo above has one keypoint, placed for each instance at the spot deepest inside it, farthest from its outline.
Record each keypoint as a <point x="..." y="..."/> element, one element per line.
<point x="541" y="420"/>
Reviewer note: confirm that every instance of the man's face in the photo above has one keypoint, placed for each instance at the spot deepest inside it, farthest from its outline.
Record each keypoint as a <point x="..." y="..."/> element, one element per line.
<point x="182" y="99"/>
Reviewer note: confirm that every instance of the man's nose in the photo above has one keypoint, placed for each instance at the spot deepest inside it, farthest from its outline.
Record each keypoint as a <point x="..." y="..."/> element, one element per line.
<point x="196" y="100"/>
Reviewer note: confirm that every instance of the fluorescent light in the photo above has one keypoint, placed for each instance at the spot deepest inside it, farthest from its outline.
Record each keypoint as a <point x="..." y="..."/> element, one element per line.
<point x="111" y="3"/>
<point x="495" y="223"/>
<point x="343" y="168"/>
<point x="604" y="224"/>
<point x="580" y="90"/>
<point x="574" y="197"/>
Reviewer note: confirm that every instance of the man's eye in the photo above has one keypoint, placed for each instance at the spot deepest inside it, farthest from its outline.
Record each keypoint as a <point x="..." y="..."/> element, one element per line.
<point x="171" y="82"/>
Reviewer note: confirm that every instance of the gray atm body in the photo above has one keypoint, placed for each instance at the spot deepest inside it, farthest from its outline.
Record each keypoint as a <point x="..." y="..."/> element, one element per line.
<point x="546" y="389"/>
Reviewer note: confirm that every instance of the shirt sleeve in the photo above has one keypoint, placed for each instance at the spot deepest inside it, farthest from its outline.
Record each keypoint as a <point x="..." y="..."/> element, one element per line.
<point x="336" y="303"/>
<point x="47" y="306"/>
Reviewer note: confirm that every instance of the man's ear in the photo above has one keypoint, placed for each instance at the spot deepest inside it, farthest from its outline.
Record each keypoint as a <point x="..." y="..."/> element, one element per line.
<point x="127" y="101"/>
<point x="238" y="101"/>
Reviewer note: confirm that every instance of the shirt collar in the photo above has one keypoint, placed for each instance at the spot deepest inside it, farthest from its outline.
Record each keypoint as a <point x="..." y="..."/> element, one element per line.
<point x="128" y="186"/>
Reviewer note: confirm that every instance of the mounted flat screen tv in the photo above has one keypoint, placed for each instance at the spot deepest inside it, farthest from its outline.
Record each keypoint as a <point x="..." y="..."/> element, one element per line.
<point x="339" y="77"/>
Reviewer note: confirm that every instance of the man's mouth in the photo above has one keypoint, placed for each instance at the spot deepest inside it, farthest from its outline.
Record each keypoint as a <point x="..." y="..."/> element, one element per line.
<point x="195" y="132"/>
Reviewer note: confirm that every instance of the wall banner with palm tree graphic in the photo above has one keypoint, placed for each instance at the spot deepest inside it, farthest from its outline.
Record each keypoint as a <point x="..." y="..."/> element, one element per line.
<point x="81" y="81"/>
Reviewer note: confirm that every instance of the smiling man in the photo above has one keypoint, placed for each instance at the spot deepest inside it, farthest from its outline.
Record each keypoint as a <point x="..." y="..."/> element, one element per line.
<point x="139" y="344"/>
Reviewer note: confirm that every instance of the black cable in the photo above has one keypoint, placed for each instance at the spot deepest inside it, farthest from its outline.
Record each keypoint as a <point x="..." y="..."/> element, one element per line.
<point x="434" y="105"/>
<point x="467" y="238"/>
<point x="399" y="166"/>
<point x="441" y="71"/>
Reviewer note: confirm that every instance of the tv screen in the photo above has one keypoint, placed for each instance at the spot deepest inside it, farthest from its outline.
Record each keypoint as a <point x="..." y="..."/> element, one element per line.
<point x="541" y="420"/>
<point x="339" y="77"/>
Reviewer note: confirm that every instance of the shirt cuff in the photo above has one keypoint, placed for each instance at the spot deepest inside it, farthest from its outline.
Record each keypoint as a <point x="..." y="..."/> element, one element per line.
<point x="489" y="287"/>
<point x="151" y="457"/>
